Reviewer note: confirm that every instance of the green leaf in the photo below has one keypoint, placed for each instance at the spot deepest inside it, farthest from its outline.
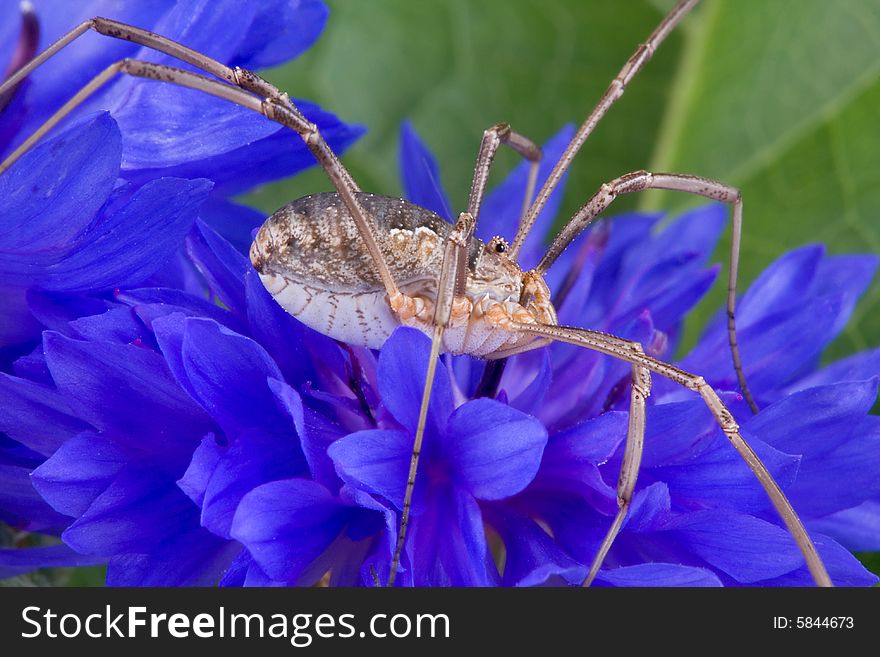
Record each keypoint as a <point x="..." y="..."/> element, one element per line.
<point x="782" y="100"/>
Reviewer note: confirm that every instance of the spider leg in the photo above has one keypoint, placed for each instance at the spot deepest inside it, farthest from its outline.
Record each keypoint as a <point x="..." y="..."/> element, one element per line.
<point x="450" y="287"/>
<point x="641" y="180"/>
<point x="236" y="76"/>
<point x="492" y="140"/>
<point x="632" y="461"/>
<point x="624" y="350"/>
<point x="615" y="90"/>
<point x="245" y="88"/>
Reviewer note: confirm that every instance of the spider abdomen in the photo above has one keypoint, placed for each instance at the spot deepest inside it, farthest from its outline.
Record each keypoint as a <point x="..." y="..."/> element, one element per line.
<point x="313" y="261"/>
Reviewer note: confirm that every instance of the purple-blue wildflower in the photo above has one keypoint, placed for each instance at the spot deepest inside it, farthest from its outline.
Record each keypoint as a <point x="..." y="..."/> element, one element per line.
<point x="184" y="441"/>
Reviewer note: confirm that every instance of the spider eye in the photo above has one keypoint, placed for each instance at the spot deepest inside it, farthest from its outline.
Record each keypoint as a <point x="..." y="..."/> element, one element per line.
<point x="499" y="245"/>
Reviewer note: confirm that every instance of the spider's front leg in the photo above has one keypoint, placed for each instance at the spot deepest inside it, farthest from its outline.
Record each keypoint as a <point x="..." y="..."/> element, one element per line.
<point x="624" y="350"/>
<point x="638" y="181"/>
<point x="450" y="299"/>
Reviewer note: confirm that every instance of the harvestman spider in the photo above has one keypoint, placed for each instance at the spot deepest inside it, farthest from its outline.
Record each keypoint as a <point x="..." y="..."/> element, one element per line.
<point x="377" y="257"/>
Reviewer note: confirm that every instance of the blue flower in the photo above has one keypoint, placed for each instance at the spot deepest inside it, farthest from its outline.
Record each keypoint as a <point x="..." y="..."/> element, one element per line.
<point x="74" y="209"/>
<point x="185" y="442"/>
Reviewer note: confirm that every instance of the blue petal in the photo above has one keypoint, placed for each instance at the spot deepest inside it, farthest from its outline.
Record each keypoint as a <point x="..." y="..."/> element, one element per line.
<point x="720" y="476"/>
<point x="81" y="469"/>
<point x="237" y="571"/>
<point x="814" y="422"/>
<point x="18" y="562"/>
<point x="495" y="450"/>
<point x="843" y="568"/>
<point x="58" y="79"/>
<point x="780" y="285"/>
<point x="532" y="556"/>
<point x="771" y="357"/>
<point x="169" y="331"/>
<point x="253" y="458"/>
<point x="376" y="461"/>
<point x="858" y="367"/>
<point x="235" y="148"/>
<point x="206" y="456"/>
<point x="696" y="232"/>
<point x="117" y="324"/>
<point x="447" y="543"/>
<point x="55" y="310"/>
<point x="281" y="30"/>
<point x="194" y="558"/>
<point x="14" y="453"/>
<point x="572" y="456"/>
<point x="527" y="379"/>
<point x="287" y="524"/>
<point x="577" y="267"/>
<point x="33" y="367"/>
<point x="228" y="374"/>
<point x="17" y="323"/>
<point x="858" y="529"/>
<point x="575" y="523"/>
<point x="316" y="433"/>
<point x="114" y="251"/>
<point x="52" y="193"/>
<point x="678" y="433"/>
<point x="842" y="478"/>
<point x="744" y="547"/>
<point x="138" y="512"/>
<point x="127" y="390"/>
<point x="420" y="174"/>
<point x="850" y="274"/>
<point x="658" y="574"/>
<point x="403" y="366"/>
<point x="650" y="507"/>
<point x="152" y="303"/>
<point x="20" y="505"/>
<point x="10" y="30"/>
<point x="222" y="266"/>
<point x="36" y="415"/>
<point x="233" y="222"/>
<point x="620" y="265"/>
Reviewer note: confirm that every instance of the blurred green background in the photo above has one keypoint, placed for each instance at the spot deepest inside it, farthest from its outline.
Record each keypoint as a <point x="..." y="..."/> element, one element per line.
<point x="778" y="97"/>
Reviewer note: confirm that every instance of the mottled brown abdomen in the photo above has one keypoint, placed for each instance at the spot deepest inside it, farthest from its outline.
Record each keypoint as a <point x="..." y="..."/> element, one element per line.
<point x="312" y="259"/>
<point x="314" y="241"/>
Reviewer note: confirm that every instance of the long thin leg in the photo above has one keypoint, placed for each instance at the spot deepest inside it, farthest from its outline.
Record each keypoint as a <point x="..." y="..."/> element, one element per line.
<point x="492" y="139"/>
<point x="639" y="181"/>
<point x="615" y="90"/>
<point x="125" y="32"/>
<point x="237" y="76"/>
<point x="277" y="108"/>
<point x="623" y="350"/>
<point x="632" y="461"/>
<point x="450" y="287"/>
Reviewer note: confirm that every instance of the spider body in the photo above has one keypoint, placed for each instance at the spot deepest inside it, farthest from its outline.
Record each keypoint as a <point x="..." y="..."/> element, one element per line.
<point x="310" y="259"/>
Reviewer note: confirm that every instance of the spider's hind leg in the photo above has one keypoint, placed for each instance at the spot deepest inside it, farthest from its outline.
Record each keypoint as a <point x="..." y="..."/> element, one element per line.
<point x="624" y="350"/>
